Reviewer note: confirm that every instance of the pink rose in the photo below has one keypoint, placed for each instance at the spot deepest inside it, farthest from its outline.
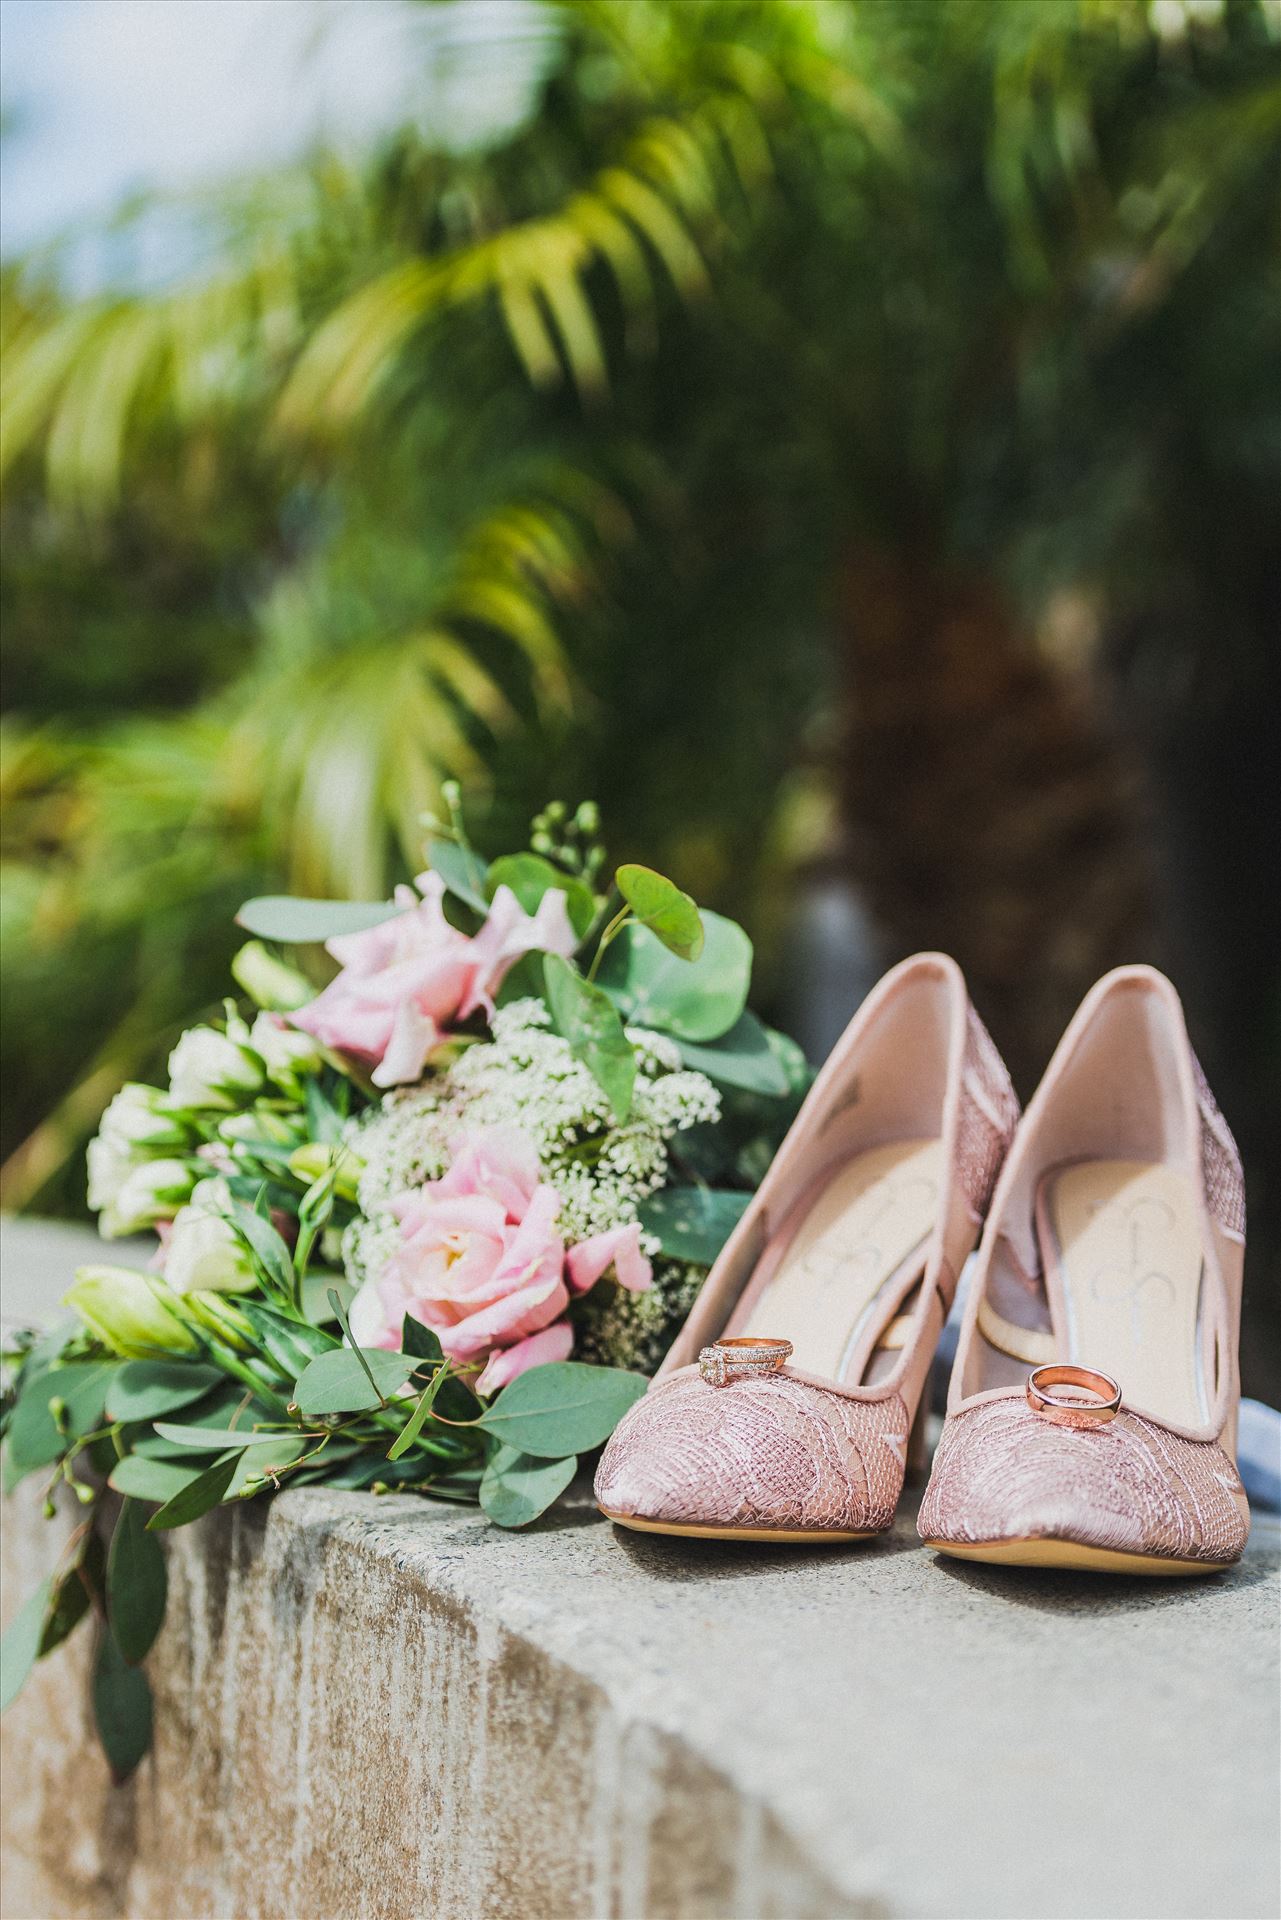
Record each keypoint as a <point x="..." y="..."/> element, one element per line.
<point x="406" y="980"/>
<point x="482" y="1263"/>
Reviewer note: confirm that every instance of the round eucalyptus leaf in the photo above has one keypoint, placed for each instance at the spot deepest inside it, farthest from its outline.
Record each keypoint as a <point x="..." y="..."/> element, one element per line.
<point x="659" y="904"/>
<point x="697" y="1000"/>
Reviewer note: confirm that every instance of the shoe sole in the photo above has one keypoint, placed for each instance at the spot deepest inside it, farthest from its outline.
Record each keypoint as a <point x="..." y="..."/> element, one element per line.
<point x="782" y="1536"/>
<point x="1071" y="1554"/>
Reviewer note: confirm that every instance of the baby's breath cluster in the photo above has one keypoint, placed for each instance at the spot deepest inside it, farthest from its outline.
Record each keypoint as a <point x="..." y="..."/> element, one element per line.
<point x="526" y="1076"/>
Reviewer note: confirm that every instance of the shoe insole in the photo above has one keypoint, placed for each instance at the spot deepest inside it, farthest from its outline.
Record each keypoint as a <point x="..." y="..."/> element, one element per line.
<point x="1121" y="1248"/>
<point x="851" y="1242"/>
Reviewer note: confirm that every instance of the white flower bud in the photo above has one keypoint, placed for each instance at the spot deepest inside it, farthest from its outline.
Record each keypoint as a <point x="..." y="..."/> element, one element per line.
<point x="150" y="1190"/>
<point x="286" y="1053"/>
<point x="204" y="1253"/>
<point x="206" y="1069"/>
<point x="138" y="1117"/>
<point x="127" y="1311"/>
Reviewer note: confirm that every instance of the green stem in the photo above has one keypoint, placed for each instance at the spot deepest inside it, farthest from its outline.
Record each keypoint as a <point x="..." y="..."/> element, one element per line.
<point x="231" y="1363"/>
<point x="615" y="927"/>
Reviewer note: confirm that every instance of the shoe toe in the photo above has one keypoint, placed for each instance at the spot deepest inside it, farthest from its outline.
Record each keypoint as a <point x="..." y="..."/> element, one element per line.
<point x="774" y="1453"/>
<point x="1003" y="1473"/>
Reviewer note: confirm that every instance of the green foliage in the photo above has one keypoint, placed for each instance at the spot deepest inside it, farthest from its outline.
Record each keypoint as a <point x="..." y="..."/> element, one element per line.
<point x="695" y="999"/>
<point x="742" y="1056"/>
<point x="670" y="915"/>
<point x="145" y="1389"/>
<point x="121" y="1707"/>
<point x="693" y="1223"/>
<point x="137" y="1584"/>
<point x="586" y="1017"/>
<point x="561" y="452"/>
<point x="517" y="1487"/>
<point x="197" y="1496"/>
<point x="20" y="1644"/>
<point x="350" y="1381"/>
<point x="142" y="1478"/>
<point x="283" y="917"/>
<point x="562" y="1408"/>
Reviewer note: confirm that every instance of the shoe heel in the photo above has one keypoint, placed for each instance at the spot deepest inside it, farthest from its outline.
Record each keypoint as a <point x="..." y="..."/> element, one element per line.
<point x="918" y="1442"/>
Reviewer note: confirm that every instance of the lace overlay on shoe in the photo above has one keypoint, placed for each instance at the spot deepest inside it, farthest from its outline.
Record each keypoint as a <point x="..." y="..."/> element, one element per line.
<point x="1003" y="1473"/>
<point x="1220" y="1161"/>
<point x="987" y="1116"/>
<point x="765" y="1453"/>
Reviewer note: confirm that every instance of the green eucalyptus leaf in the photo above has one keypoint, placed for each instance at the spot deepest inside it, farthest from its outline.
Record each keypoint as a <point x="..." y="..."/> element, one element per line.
<point x="71" y="1596"/>
<point x="414" y="1425"/>
<point x="516" y="1487"/>
<point x="137" y="1584"/>
<point x="121" y="1708"/>
<point x="279" y="916"/>
<point x="198" y="1496"/>
<point x="214" y="1439"/>
<point x="20" y="1644"/>
<point x="337" y="1382"/>
<point x="259" y="1466"/>
<point x="743" y="1057"/>
<point x="149" y="1446"/>
<point x="419" y="1340"/>
<point x="589" y="1021"/>
<point x="143" y="1389"/>
<point x="696" y="1000"/>
<point x="693" y="1223"/>
<point x="462" y="872"/>
<point x="325" y="1122"/>
<point x="562" y="1408"/>
<point x="287" y="1341"/>
<point x="156" y="1480"/>
<point x="317" y="1308"/>
<point x="228" y="1410"/>
<point x="453" y="1398"/>
<point x="271" y="1255"/>
<point x="530" y="876"/>
<point x="33" y="1438"/>
<point x="659" y="904"/>
<point x="356" y="1474"/>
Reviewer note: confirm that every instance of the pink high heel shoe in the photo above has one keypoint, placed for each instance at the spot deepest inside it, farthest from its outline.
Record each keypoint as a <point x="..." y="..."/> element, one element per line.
<point x="1092" y="1412"/>
<point x="784" y="1409"/>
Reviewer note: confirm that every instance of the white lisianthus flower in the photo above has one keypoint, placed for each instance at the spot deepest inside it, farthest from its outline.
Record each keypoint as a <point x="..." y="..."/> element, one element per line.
<point x="138" y="1117"/>
<point x="110" y="1164"/>
<point x="135" y="1129"/>
<point x="127" y="1311"/>
<point x="208" y="1069"/>
<point x="286" y="1053"/>
<point x="204" y="1253"/>
<point x="257" y="1124"/>
<point x="148" y="1191"/>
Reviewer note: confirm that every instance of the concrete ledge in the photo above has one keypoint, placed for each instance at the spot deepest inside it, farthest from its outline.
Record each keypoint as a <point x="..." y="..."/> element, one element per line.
<point x="385" y="1708"/>
<point x="371" y="1709"/>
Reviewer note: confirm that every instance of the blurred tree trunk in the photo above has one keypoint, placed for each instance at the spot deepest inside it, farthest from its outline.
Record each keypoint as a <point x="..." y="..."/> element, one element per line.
<point x="986" y="810"/>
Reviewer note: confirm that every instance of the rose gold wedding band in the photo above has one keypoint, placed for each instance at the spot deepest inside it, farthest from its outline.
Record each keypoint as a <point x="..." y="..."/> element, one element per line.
<point x="1065" y="1412"/>
<point x="739" y="1359"/>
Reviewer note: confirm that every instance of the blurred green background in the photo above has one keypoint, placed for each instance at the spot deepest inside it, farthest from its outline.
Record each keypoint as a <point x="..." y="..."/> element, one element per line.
<point x="841" y="436"/>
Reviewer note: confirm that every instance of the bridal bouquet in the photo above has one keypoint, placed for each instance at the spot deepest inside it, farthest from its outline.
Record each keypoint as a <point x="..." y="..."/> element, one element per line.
<point x="425" y="1229"/>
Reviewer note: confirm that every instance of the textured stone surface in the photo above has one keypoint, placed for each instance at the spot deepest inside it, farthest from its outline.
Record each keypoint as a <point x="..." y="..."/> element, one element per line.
<point x="385" y="1708"/>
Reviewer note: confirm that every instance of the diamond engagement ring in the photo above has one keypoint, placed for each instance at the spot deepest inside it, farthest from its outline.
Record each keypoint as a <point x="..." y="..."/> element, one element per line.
<point x="728" y="1360"/>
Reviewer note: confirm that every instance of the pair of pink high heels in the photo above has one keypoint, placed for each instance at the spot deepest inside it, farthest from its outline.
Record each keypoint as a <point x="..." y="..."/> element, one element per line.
<point x="1091" y="1419"/>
